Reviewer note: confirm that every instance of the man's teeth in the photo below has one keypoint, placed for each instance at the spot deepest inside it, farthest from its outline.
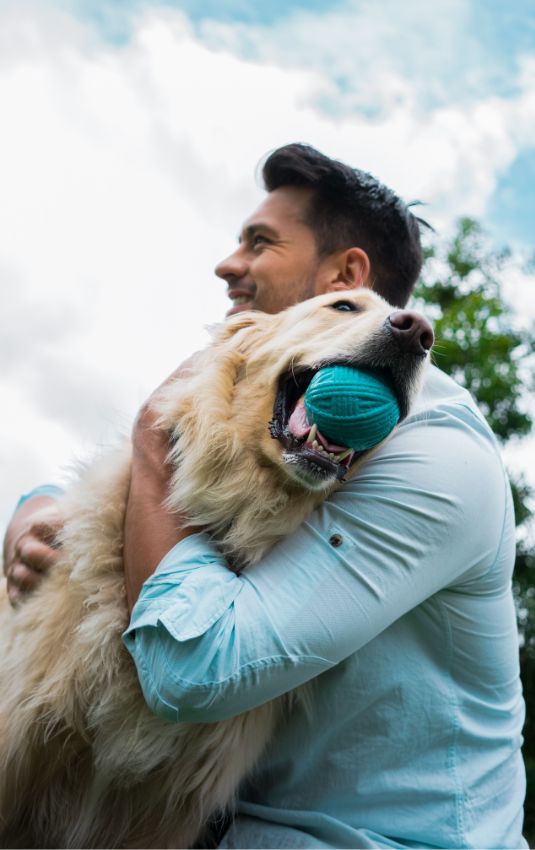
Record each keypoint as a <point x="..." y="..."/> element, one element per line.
<point x="240" y="299"/>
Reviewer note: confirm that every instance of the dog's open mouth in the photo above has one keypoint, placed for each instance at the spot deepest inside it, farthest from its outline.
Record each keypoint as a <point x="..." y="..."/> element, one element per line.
<point x="318" y="458"/>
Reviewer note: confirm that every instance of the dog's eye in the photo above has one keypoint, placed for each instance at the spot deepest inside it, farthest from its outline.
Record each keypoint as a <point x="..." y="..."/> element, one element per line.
<point x="345" y="307"/>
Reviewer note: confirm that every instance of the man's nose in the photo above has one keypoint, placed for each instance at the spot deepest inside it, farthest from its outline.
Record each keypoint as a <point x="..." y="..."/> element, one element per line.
<point x="413" y="333"/>
<point x="233" y="266"/>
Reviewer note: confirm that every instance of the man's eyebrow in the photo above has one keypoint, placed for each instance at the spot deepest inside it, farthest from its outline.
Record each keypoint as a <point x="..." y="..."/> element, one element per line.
<point x="257" y="227"/>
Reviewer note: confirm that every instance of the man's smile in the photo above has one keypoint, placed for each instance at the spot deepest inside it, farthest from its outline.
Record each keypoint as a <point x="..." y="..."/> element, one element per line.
<point x="242" y="299"/>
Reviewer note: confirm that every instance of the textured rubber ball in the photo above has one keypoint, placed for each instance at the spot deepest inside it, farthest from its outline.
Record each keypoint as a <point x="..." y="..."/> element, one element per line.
<point x="356" y="408"/>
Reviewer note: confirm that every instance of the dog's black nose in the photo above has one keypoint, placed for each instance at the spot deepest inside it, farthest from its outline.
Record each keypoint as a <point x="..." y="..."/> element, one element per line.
<point x="413" y="333"/>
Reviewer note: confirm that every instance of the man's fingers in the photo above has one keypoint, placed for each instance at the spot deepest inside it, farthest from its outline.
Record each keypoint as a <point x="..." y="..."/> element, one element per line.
<point x="14" y="595"/>
<point x="47" y="532"/>
<point x="31" y="561"/>
<point x="22" y="577"/>
<point x="30" y="546"/>
<point x="21" y="580"/>
<point x="34" y="554"/>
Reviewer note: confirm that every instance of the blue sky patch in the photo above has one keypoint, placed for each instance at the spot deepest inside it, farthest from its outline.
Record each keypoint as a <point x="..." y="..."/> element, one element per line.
<point x="113" y="18"/>
<point x="454" y="53"/>
<point x="511" y="212"/>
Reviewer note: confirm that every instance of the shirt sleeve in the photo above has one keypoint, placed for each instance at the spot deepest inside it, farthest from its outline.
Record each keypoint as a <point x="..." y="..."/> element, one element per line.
<point x="424" y="513"/>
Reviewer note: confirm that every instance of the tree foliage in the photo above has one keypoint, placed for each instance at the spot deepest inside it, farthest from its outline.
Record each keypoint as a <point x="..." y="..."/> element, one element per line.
<point x="478" y="343"/>
<point x="482" y="345"/>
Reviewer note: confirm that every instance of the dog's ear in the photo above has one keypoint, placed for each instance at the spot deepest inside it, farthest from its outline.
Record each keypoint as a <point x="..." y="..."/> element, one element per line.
<point x="242" y="327"/>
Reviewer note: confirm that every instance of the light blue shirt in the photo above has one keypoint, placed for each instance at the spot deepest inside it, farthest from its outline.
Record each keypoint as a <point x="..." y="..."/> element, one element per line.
<point x="52" y="490"/>
<point x="395" y="598"/>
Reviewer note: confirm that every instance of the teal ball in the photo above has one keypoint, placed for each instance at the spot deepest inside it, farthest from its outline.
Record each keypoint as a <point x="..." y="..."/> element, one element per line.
<point x="356" y="408"/>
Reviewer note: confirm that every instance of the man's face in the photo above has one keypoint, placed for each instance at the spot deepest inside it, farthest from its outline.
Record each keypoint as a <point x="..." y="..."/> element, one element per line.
<point x="276" y="263"/>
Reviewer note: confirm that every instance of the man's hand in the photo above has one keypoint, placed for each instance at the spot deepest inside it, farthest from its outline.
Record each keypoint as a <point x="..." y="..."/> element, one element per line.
<point x="150" y="530"/>
<point x="29" y="545"/>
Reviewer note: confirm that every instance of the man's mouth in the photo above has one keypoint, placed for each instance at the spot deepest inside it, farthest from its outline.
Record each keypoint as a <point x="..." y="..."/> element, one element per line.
<point x="241" y="300"/>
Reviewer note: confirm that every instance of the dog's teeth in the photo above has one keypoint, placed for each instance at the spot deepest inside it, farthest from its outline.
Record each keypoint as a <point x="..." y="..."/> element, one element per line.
<point x="312" y="435"/>
<point x="344" y="455"/>
<point x="315" y="444"/>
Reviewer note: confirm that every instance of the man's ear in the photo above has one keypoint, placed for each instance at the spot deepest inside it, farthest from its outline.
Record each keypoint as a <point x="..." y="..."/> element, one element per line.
<point x="351" y="270"/>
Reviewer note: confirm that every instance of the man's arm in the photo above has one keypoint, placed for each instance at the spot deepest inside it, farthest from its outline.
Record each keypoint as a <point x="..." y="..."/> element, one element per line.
<point x="150" y="530"/>
<point x="29" y="543"/>
<point x="209" y="644"/>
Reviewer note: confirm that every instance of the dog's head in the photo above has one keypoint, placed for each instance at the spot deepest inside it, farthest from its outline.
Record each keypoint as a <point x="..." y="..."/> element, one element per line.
<point x="282" y="353"/>
<point x="240" y="468"/>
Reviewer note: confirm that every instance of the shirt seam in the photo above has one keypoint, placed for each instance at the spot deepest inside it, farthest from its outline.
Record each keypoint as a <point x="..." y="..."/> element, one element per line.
<point x="423" y="415"/>
<point x="505" y="515"/>
<point x="287" y="661"/>
<point x="460" y="793"/>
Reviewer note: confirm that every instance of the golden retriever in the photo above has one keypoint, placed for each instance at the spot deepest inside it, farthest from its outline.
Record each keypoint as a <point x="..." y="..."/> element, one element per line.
<point x="83" y="762"/>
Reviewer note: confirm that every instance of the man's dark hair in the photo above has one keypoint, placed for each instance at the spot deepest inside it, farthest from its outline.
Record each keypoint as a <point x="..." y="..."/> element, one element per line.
<point x="350" y="208"/>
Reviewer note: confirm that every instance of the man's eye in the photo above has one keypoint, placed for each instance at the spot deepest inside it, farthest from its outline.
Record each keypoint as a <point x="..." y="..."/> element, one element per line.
<point x="259" y="240"/>
<point x="345" y="307"/>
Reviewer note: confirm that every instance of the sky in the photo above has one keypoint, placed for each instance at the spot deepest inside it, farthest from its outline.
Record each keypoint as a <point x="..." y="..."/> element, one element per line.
<point x="131" y="132"/>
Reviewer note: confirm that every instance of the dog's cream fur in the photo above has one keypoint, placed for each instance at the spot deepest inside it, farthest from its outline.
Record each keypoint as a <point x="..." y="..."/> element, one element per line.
<point x="83" y="762"/>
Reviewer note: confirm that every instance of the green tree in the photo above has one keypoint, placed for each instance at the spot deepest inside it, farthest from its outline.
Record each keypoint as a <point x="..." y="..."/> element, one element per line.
<point x="481" y="344"/>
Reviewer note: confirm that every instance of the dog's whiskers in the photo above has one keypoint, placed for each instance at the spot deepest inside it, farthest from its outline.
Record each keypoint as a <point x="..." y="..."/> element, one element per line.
<point x="292" y="368"/>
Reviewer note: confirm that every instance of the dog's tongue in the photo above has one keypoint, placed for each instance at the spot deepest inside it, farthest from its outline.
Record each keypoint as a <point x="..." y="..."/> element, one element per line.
<point x="299" y="426"/>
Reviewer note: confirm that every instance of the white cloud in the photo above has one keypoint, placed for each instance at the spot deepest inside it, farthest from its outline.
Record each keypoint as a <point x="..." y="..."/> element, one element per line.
<point x="380" y="56"/>
<point x="126" y="171"/>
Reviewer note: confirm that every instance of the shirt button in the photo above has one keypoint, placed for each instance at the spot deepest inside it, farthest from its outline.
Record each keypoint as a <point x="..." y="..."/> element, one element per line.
<point x="336" y="540"/>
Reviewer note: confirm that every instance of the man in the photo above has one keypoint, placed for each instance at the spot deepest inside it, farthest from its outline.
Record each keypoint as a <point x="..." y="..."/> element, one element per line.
<point x="394" y="598"/>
